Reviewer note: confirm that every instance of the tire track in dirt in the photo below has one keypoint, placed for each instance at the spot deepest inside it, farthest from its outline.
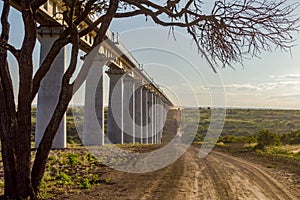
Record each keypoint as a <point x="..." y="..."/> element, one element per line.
<point x="216" y="177"/>
<point x="270" y="187"/>
<point x="235" y="178"/>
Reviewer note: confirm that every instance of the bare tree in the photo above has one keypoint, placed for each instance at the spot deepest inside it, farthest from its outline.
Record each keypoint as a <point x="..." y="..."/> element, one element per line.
<point x="227" y="34"/>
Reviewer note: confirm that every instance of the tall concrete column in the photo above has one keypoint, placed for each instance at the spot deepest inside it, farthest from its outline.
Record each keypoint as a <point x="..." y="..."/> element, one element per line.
<point x="115" y="107"/>
<point x="145" y="116"/>
<point x="151" y="118"/>
<point x="160" y="120"/>
<point x="138" y="128"/>
<point x="49" y="90"/>
<point x="164" y="117"/>
<point x="128" y="109"/>
<point x="93" y="128"/>
<point x="155" y="129"/>
<point x="157" y="118"/>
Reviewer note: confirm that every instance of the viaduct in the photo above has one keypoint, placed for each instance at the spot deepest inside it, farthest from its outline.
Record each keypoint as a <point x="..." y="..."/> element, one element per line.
<point x="135" y="92"/>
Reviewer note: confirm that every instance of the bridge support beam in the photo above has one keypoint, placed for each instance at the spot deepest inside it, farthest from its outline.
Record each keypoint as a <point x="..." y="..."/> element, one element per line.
<point x="49" y="91"/>
<point x="115" y="107"/>
<point x="93" y="128"/>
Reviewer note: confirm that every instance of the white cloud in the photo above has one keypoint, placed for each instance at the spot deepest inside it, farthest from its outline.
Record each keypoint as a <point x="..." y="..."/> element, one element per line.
<point x="286" y="96"/>
<point x="260" y="87"/>
<point x="285" y="76"/>
<point x="243" y="87"/>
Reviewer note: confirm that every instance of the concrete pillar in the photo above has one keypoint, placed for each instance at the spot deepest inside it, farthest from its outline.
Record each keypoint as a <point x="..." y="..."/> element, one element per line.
<point x="155" y="127"/>
<point x="128" y="110"/>
<point x="115" y="107"/>
<point x="93" y="128"/>
<point x="150" y="118"/>
<point x="160" y="120"/>
<point x="138" y="128"/>
<point x="49" y="91"/>
<point x="164" y="117"/>
<point x="145" y="116"/>
<point x="157" y="118"/>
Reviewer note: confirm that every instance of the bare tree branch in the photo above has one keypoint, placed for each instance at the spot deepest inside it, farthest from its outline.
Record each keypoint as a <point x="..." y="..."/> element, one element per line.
<point x="231" y="31"/>
<point x="10" y="48"/>
<point x="107" y="18"/>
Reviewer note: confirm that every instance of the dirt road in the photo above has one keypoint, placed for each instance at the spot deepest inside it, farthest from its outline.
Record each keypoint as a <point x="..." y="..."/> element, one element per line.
<point x="218" y="176"/>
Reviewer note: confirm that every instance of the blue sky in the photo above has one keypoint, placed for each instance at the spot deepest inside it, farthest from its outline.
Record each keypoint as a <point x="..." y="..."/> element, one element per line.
<point x="273" y="81"/>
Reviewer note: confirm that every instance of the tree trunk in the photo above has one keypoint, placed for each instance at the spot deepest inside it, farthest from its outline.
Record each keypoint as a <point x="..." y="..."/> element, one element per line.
<point x="7" y="134"/>
<point x="8" y="120"/>
<point x="23" y="137"/>
<point x="9" y="168"/>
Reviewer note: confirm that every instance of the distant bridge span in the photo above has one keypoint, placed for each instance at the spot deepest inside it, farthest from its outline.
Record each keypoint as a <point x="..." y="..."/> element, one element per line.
<point x="134" y="122"/>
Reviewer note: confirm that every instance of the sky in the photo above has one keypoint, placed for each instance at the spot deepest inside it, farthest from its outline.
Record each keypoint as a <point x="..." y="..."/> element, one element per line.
<point x="271" y="81"/>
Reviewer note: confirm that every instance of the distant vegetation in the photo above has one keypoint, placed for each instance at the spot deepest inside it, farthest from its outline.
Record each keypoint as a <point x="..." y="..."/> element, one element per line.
<point x="241" y="125"/>
<point x="246" y="124"/>
<point x="267" y="132"/>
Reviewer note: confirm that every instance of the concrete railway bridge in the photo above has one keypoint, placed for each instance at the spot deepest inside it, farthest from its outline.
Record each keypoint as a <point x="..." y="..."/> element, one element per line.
<point x="137" y="107"/>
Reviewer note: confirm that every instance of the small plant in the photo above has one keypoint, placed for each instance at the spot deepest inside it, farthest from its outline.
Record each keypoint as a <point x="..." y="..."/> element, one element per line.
<point x="89" y="157"/>
<point x="73" y="159"/>
<point x="63" y="179"/>
<point x="95" y="179"/>
<point x="85" y="184"/>
<point x="271" y="166"/>
<point x="107" y="180"/>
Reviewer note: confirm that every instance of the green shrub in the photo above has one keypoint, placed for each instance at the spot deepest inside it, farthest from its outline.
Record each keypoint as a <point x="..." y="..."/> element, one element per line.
<point x="73" y="159"/>
<point x="267" y="138"/>
<point x="249" y="139"/>
<point x="229" y="139"/>
<point x="63" y="179"/>
<point x="89" y="157"/>
<point x="278" y="151"/>
<point x="291" y="138"/>
<point x="85" y="184"/>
